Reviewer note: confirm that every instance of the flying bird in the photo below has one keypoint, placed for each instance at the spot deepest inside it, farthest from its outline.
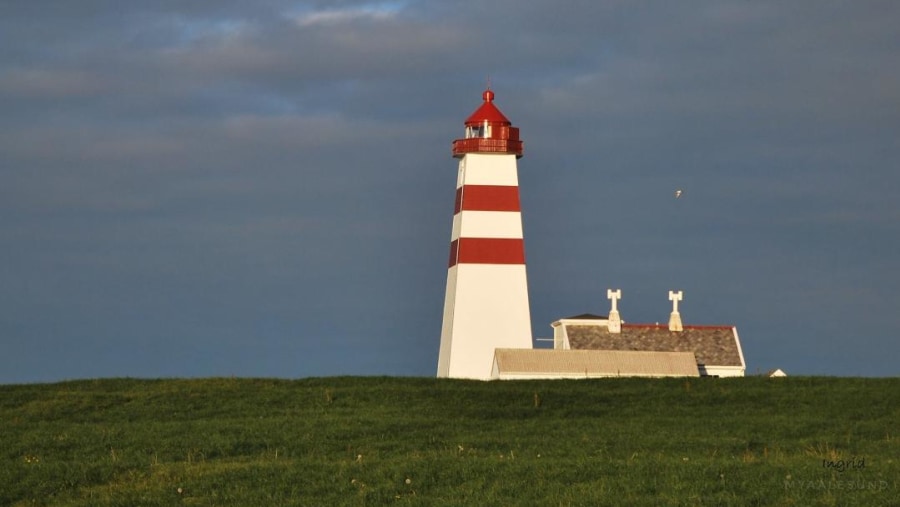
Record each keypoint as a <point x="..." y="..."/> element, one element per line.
<point x="678" y="193"/>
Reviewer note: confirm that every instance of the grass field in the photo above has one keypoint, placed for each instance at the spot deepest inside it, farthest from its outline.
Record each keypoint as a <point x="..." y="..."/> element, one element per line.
<point x="419" y="441"/>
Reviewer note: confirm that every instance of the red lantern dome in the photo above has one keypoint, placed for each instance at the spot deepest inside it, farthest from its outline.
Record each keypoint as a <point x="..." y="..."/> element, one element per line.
<point x="488" y="131"/>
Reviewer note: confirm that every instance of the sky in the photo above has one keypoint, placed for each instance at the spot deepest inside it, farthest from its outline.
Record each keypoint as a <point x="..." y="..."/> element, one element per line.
<point x="265" y="189"/>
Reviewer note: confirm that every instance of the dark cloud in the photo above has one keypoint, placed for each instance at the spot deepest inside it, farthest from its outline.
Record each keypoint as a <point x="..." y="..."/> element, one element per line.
<point x="266" y="189"/>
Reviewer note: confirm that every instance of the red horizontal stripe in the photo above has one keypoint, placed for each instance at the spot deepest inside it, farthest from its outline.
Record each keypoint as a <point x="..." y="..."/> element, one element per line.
<point x="487" y="198"/>
<point x="487" y="251"/>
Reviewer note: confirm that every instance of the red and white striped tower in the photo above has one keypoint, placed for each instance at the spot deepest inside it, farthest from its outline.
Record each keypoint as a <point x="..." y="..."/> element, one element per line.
<point x="486" y="303"/>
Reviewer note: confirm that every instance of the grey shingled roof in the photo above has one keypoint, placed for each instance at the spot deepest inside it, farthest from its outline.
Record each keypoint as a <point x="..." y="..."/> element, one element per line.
<point x="596" y="363"/>
<point x="712" y="345"/>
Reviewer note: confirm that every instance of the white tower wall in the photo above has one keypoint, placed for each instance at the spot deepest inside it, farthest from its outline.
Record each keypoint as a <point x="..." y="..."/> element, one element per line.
<point x="486" y="309"/>
<point x="486" y="302"/>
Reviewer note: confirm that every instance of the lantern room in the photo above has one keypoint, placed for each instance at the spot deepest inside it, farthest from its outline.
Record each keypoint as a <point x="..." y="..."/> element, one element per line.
<point x="488" y="131"/>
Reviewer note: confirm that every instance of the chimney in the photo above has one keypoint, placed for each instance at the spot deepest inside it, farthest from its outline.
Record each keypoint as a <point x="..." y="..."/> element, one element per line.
<point x="615" y="322"/>
<point x="675" y="317"/>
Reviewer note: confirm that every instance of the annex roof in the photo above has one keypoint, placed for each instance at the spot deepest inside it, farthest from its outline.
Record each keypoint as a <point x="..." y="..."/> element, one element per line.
<point x="712" y="345"/>
<point x="595" y="363"/>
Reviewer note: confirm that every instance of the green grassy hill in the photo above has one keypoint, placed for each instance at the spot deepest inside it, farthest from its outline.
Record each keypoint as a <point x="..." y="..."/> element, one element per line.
<point x="414" y="441"/>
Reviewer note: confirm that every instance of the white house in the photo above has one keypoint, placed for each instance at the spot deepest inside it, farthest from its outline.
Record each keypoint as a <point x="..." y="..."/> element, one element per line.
<point x="717" y="349"/>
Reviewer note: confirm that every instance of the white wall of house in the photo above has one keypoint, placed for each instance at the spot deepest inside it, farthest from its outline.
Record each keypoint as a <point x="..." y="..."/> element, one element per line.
<point x="721" y="371"/>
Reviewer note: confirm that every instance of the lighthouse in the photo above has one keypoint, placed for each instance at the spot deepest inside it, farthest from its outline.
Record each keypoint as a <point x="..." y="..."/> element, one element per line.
<point x="486" y="302"/>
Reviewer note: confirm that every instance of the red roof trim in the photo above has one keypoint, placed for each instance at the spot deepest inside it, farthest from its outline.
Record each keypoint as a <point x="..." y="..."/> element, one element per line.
<point x="666" y="326"/>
